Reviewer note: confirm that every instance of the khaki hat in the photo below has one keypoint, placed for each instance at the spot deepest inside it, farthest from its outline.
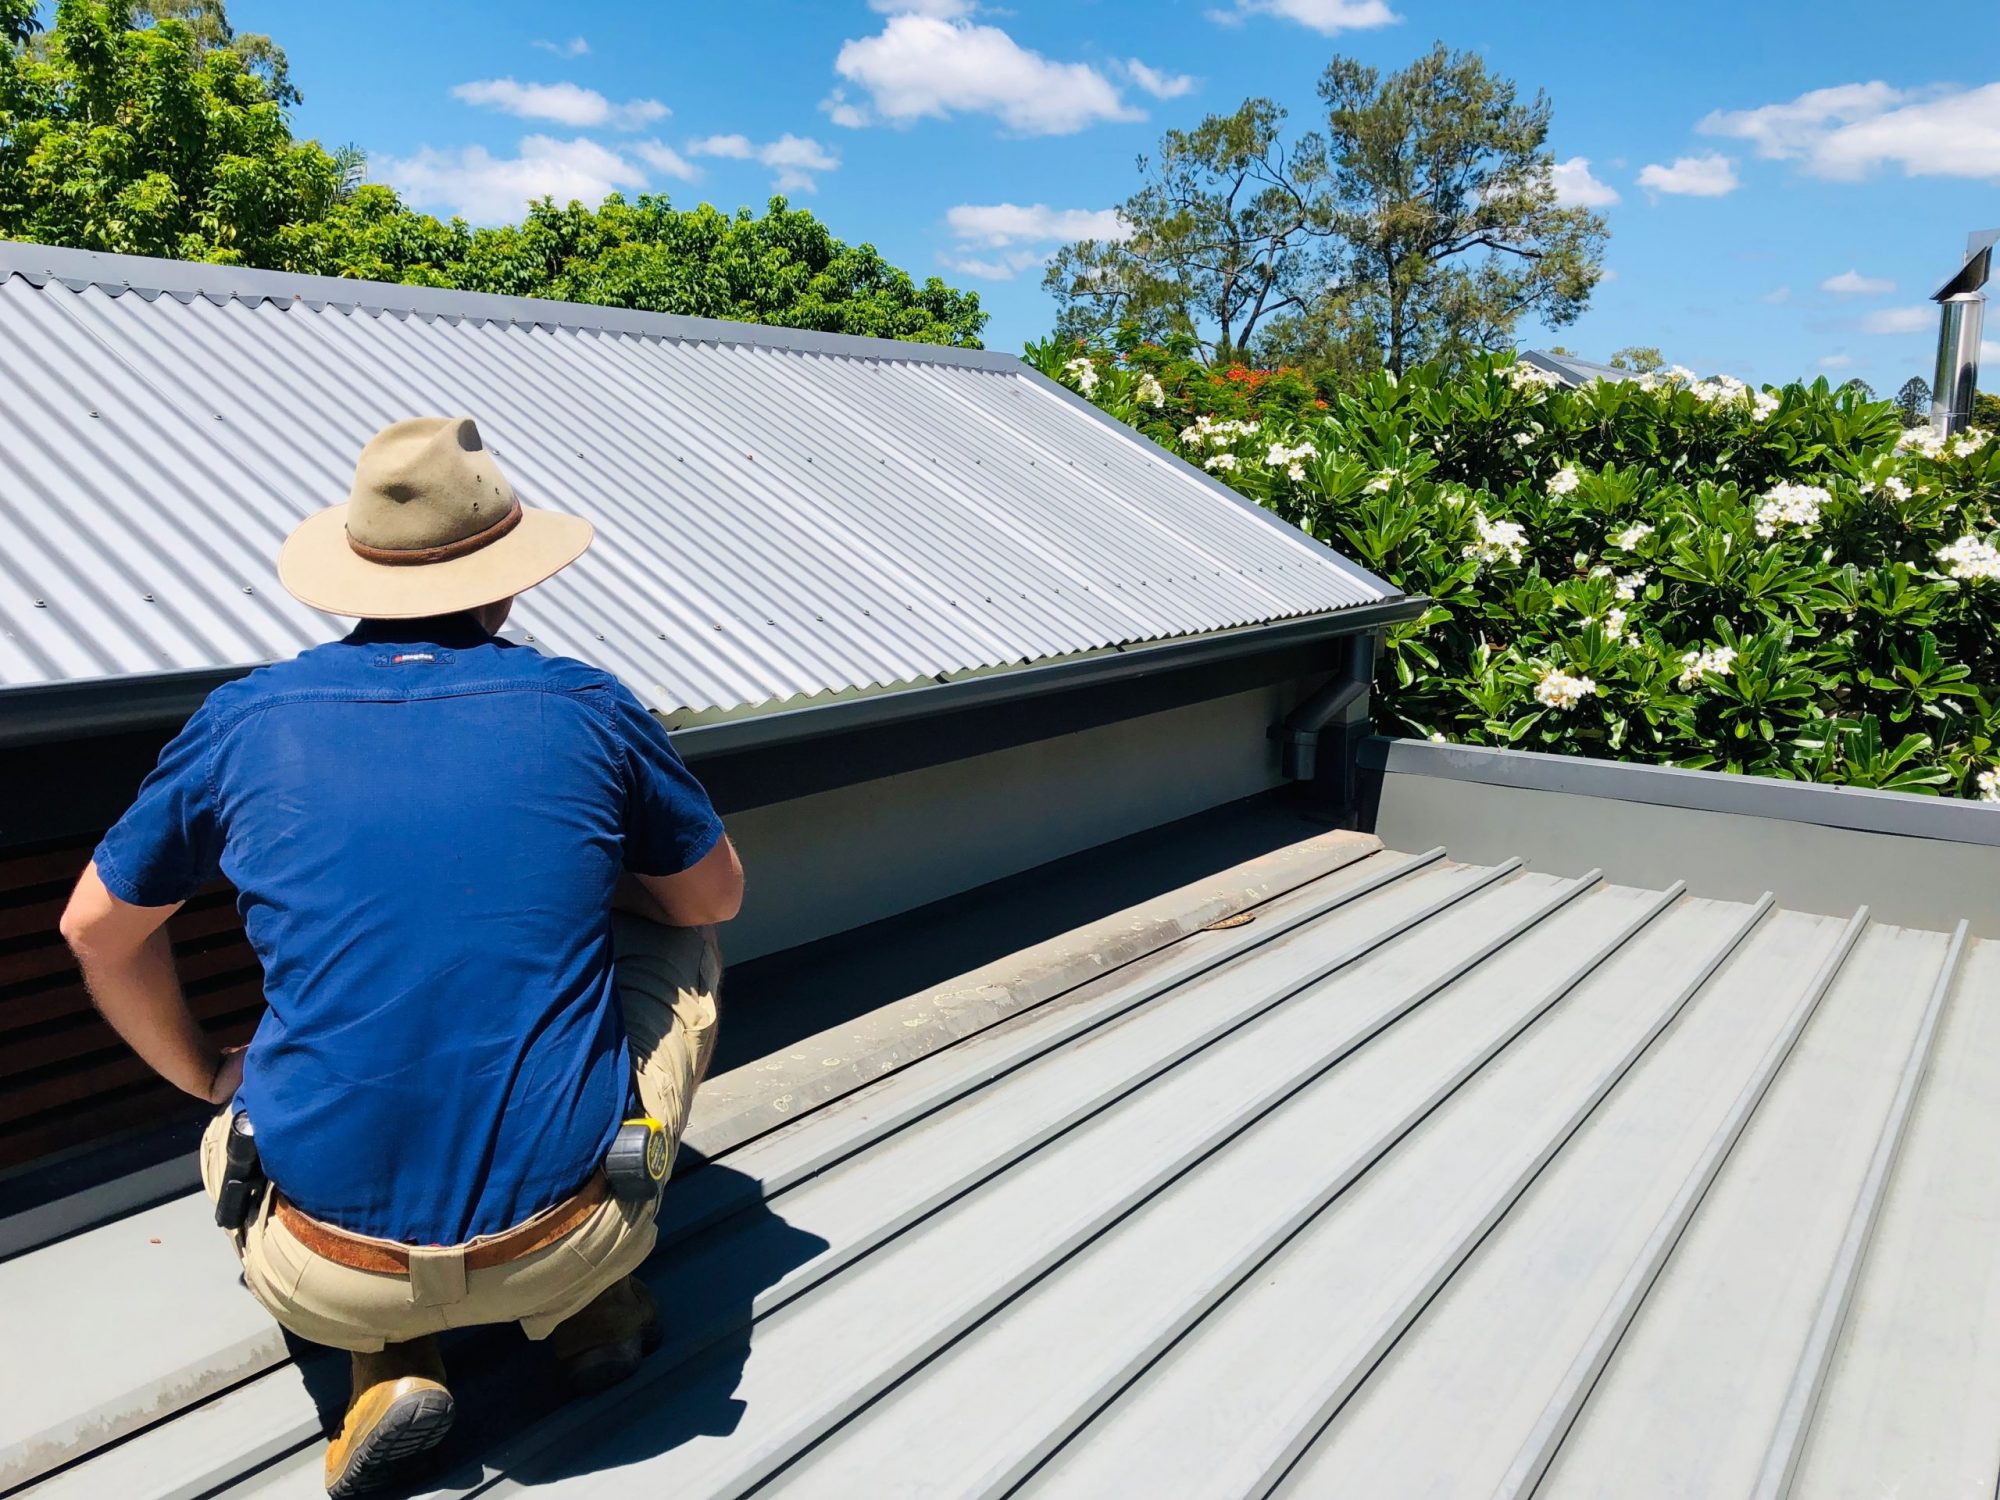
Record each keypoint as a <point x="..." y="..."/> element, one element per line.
<point x="431" y="527"/>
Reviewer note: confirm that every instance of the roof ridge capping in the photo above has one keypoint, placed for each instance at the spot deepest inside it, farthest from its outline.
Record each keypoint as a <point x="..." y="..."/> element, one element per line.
<point x="151" y="276"/>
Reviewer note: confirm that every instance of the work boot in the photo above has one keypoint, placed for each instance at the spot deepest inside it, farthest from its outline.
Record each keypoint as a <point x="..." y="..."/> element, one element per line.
<point x="399" y="1408"/>
<point x="603" y="1344"/>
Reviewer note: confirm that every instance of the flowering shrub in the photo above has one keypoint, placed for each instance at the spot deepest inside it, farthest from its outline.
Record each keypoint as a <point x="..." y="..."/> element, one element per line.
<point x="1783" y="582"/>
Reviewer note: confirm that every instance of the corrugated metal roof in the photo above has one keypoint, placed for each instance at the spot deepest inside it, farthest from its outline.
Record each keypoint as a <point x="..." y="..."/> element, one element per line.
<point x="1434" y="1179"/>
<point x="1573" y="371"/>
<point x="780" y="514"/>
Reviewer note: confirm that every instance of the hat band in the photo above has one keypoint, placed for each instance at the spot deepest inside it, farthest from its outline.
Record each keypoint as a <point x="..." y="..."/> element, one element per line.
<point x="404" y="557"/>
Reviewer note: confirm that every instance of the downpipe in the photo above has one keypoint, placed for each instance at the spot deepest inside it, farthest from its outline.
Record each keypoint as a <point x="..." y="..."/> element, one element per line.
<point x="1318" y="739"/>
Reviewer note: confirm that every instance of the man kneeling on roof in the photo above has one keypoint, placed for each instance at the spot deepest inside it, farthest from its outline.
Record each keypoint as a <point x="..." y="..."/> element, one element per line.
<point x="430" y="830"/>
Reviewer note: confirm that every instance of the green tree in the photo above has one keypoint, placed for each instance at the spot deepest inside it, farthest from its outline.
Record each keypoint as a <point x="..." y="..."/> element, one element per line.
<point x="1986" y="410"/>
<point x="1442" y="190"/>
<point x="1422" y="223"/>
<point x="160" y="130"/>
<point x="1638" y="358"/>
<point x="1225" y="234"/>
<point x="1914" y="400"/>
<point x="162" y="139"/>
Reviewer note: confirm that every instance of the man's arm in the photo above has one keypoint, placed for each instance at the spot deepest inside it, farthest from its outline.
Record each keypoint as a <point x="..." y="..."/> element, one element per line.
<point x="128" y="963"/>
<point x="705" y="893"/>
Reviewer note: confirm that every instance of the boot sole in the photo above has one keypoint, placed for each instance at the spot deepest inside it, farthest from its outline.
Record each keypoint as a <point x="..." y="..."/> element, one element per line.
<point x="412" y="1426"/>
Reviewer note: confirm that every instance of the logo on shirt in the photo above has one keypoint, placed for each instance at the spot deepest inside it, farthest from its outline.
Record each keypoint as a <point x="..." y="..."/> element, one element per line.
<point x="397" y="661"/>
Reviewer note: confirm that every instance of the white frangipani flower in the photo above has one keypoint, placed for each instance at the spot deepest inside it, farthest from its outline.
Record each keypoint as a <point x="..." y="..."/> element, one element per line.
<point x="1696" y="663"/>
<point x="1083" y="372"/>
<point x="1895" y="489"/>
<point x="1523" y="439"/>
<point x="1564" y="480"/>
<point x="1558" y="689"/>
<point x="1526" y="377"/>
<point x="1971" y="559"/>
<point x="1629" y="585"/>
<point x="1969" y="442"/>
<point x="1632" y="535"/>
<point x="1790" y="505"/>
<point x="1924" y="440"/>
<point x="1151" y="392"/>
<point x="1497" y="540"/>
<point x="1223" y="461"/>
<point x="1989" y="785"/>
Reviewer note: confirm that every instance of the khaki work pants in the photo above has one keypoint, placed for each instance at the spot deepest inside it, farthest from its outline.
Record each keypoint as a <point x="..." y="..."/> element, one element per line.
<point x="667" y="979"/>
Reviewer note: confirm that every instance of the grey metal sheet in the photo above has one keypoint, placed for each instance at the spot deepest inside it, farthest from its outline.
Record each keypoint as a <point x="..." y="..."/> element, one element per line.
<point x="779" y="515"/>
<point x="1433" y="1179"/>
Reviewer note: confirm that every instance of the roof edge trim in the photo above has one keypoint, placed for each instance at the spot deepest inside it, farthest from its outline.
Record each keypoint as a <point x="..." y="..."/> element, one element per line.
<point x="151" y="277"/>
<point x="1858" y="809"/>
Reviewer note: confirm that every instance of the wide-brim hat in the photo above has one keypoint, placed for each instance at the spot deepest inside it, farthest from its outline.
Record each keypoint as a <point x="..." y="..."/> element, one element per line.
<point x="431" y="527"/>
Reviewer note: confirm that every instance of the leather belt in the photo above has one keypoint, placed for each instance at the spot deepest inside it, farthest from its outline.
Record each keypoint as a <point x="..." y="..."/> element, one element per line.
<point x="388" y="1258"/>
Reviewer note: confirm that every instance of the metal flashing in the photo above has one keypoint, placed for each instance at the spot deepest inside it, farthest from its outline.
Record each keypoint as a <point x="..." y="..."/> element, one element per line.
<point x="1862" y="809"/>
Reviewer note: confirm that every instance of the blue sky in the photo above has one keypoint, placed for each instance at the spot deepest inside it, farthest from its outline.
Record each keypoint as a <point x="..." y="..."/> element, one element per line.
<point x="1791" y="179"/>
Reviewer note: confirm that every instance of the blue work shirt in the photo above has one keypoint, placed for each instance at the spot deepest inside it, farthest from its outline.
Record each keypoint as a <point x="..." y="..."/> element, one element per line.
<point x="424" y="825"/>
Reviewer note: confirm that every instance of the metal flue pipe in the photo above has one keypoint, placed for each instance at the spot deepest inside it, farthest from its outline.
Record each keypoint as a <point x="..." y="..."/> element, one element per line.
<point x="1961" y="320"/>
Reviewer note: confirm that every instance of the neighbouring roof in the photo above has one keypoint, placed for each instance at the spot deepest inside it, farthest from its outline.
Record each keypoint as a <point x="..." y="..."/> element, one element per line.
<point x="1432" y="1179"/>
<point x="780" y="514"/>
<point x="1573" y="371"/>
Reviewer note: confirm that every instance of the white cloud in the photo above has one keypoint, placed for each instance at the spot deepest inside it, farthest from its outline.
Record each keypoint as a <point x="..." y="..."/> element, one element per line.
<point x="1847" y="131"/>
<point x="1010" y="238"/>
<point x="793" y="159"/>
<point x="943" y="10"/>
<point x="924" y="66"/>
<point x="576" y="46"/>
<point x="1576" y="188"/>
<point x="1035" y="223"/>
<point x="1920" y="319"/>
<point x="1323" y="16"/>
<point x="1777" y="296"/>
<point x="1004" y="267"/>
<point x="664" y="159"/>
<point x="736" y="147"/>
<point x="1160" y="85"/>
<point x="1851" y="283"/>
<point x="564" y="103"/>
<point x="490" y="190"/>
<point x="1695" y="176"/>
<point x="849" y="116"/>
<point x="1836" y="362"/>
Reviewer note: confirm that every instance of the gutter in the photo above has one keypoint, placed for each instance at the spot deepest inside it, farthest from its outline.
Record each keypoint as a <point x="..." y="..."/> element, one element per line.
<point x="77" y="750"/>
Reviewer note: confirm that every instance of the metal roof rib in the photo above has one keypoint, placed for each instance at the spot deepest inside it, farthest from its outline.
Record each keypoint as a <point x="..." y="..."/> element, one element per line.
<point x="780" y="514"/>
<point x="1432" y="1178"/>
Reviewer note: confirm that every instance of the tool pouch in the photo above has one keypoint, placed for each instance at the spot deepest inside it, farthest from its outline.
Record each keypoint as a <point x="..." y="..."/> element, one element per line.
<point x="243" y="1181"/>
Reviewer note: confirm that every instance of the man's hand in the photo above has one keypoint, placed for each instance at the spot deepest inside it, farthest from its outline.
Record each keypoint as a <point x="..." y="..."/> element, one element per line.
<point x="128" y="963"/>
<point x="228" y="1075"/>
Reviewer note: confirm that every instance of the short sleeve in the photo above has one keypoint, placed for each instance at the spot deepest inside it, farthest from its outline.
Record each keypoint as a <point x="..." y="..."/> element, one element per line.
<point x="169" y="843"/>
<point x="669" y="822"/>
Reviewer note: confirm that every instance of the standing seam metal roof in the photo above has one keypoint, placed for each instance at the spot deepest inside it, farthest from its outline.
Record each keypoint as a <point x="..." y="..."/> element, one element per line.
<point x="780" y="514"/>
<point x="1434" y="1180"/>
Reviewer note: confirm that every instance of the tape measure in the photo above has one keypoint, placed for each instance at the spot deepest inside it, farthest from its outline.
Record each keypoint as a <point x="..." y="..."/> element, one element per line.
<point x="636" y="1165"/>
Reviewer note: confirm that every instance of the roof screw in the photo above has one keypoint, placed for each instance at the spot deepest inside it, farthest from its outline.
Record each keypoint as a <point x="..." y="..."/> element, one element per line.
<point x="600" y="635"/>
<point x="663" y="635"/>
<point x="41" y="604"/>
<point x="718" y="625"/>
<point x="149" y="598"/>
<point x="248" y="590"/>
<point x="93" y="414"/>
<point x="527" y="637"/>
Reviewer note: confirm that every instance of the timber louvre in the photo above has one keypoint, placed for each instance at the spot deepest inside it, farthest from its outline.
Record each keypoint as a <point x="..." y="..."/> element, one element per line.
<point x="1432" y="1178"/>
